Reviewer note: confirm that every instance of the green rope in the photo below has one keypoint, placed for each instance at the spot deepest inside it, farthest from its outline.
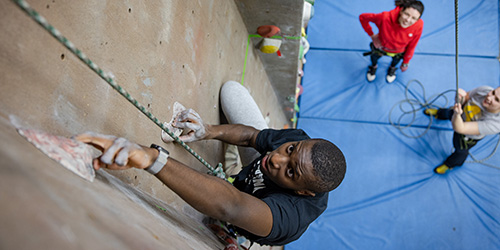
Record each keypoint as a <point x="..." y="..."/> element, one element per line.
<point x="245" y="62"/>
<point x="219" y="172"/>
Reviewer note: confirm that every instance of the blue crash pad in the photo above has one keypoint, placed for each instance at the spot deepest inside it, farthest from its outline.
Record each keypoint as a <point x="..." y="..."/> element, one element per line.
<point x="390" y="198"/>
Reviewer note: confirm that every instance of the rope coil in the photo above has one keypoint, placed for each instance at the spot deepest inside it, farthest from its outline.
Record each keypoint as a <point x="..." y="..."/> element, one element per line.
<point x="416" y="105"/>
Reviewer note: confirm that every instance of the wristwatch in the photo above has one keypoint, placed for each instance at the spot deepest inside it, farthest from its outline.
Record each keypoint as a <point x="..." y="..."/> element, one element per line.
<point x="161" y="160"/>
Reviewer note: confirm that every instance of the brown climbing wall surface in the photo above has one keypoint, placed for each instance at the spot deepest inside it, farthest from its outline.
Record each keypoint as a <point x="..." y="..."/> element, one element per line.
<point x="160" y="52"/>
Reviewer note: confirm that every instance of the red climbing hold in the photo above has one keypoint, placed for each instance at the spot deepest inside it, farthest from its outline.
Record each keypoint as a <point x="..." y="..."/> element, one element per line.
<point x="268" y="30"/>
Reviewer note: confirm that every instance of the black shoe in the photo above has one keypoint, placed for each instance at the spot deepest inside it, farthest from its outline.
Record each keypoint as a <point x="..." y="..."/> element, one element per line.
<point x="391" y="74"/>
<point x="370" y="76"/>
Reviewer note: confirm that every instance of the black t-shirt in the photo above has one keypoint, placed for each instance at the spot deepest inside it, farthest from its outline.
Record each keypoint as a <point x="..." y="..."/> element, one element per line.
<point x="292" y="213"/>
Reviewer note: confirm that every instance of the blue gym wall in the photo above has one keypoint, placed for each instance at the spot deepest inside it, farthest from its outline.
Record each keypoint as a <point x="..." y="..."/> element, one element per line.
<point x="390" y="197"/>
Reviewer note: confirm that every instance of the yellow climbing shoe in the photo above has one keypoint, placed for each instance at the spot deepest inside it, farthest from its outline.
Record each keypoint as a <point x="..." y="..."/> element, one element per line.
<point x="431" y="112"/>
<point x="441" y="169"/>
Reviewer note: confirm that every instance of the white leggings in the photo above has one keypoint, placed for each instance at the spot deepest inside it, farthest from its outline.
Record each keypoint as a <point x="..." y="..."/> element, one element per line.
<point x="240" y="108"/>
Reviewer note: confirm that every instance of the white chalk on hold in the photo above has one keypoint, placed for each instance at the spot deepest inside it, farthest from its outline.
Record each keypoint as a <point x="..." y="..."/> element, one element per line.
<point x="74" y="155"/>
<point x="176" y="131"/>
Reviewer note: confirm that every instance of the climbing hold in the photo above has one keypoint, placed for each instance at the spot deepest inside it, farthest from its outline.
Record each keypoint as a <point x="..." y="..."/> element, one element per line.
<point x="300" y="72"/>
<point x="308" y="13"/>
<point x="268" y="31"/>
<point x="299" y="90"/>
<point x="269" y="45"/>
<point x="170" y="125"/>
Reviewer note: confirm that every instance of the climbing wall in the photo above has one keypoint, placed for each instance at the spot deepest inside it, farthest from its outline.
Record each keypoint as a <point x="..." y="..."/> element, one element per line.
<point x="160" y="52"/>
<point x="390" y="198"/>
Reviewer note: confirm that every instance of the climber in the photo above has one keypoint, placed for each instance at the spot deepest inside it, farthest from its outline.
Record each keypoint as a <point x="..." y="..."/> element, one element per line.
<point x="271" y="201"/>
<point x="480" y="108"/>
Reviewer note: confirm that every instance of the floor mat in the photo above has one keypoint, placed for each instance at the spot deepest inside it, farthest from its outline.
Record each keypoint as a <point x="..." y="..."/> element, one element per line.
<point x="390" y="198"/>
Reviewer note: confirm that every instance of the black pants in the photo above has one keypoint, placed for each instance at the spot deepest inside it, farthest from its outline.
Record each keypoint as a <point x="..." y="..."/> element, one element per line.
<point x="378" y="53"/>
<point x="461" y="143"/>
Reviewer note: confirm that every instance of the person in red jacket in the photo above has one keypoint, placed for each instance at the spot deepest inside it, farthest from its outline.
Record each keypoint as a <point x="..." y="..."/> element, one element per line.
<point x="399" y="32"/>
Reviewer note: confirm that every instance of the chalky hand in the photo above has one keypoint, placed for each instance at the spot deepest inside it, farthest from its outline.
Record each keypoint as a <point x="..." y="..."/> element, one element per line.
<point x="118" y="152"/>
<point x="193" y="126"/>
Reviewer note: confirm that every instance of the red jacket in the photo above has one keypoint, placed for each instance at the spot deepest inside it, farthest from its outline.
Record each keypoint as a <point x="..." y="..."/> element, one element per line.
<point x="394" y="38"/>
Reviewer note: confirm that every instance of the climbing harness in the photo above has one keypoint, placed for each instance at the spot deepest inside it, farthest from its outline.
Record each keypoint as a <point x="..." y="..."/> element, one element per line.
<point x="457" y="98"/>
<point x="466" y="142"/>
<point x="412" y="106"/>
<point x="381" y="52"/>
<point x="218" y="171"/>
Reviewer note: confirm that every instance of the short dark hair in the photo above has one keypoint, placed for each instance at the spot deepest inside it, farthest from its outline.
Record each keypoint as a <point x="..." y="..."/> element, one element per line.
<point x="419" y="6"/>
<point x="329" y="166"/>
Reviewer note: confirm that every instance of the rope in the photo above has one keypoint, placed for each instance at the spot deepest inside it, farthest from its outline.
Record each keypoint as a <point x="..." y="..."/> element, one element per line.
<point x="456" y="51"/>
<point x="245" y="62"/>
<point x="457" y="98"/>
<point x="219" y="172"/>
<point x="414" y="105"/>
<point x="482" y="161"/>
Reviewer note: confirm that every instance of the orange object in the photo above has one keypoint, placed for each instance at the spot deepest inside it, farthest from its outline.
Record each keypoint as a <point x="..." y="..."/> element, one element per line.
<point x="268" y="30"/>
